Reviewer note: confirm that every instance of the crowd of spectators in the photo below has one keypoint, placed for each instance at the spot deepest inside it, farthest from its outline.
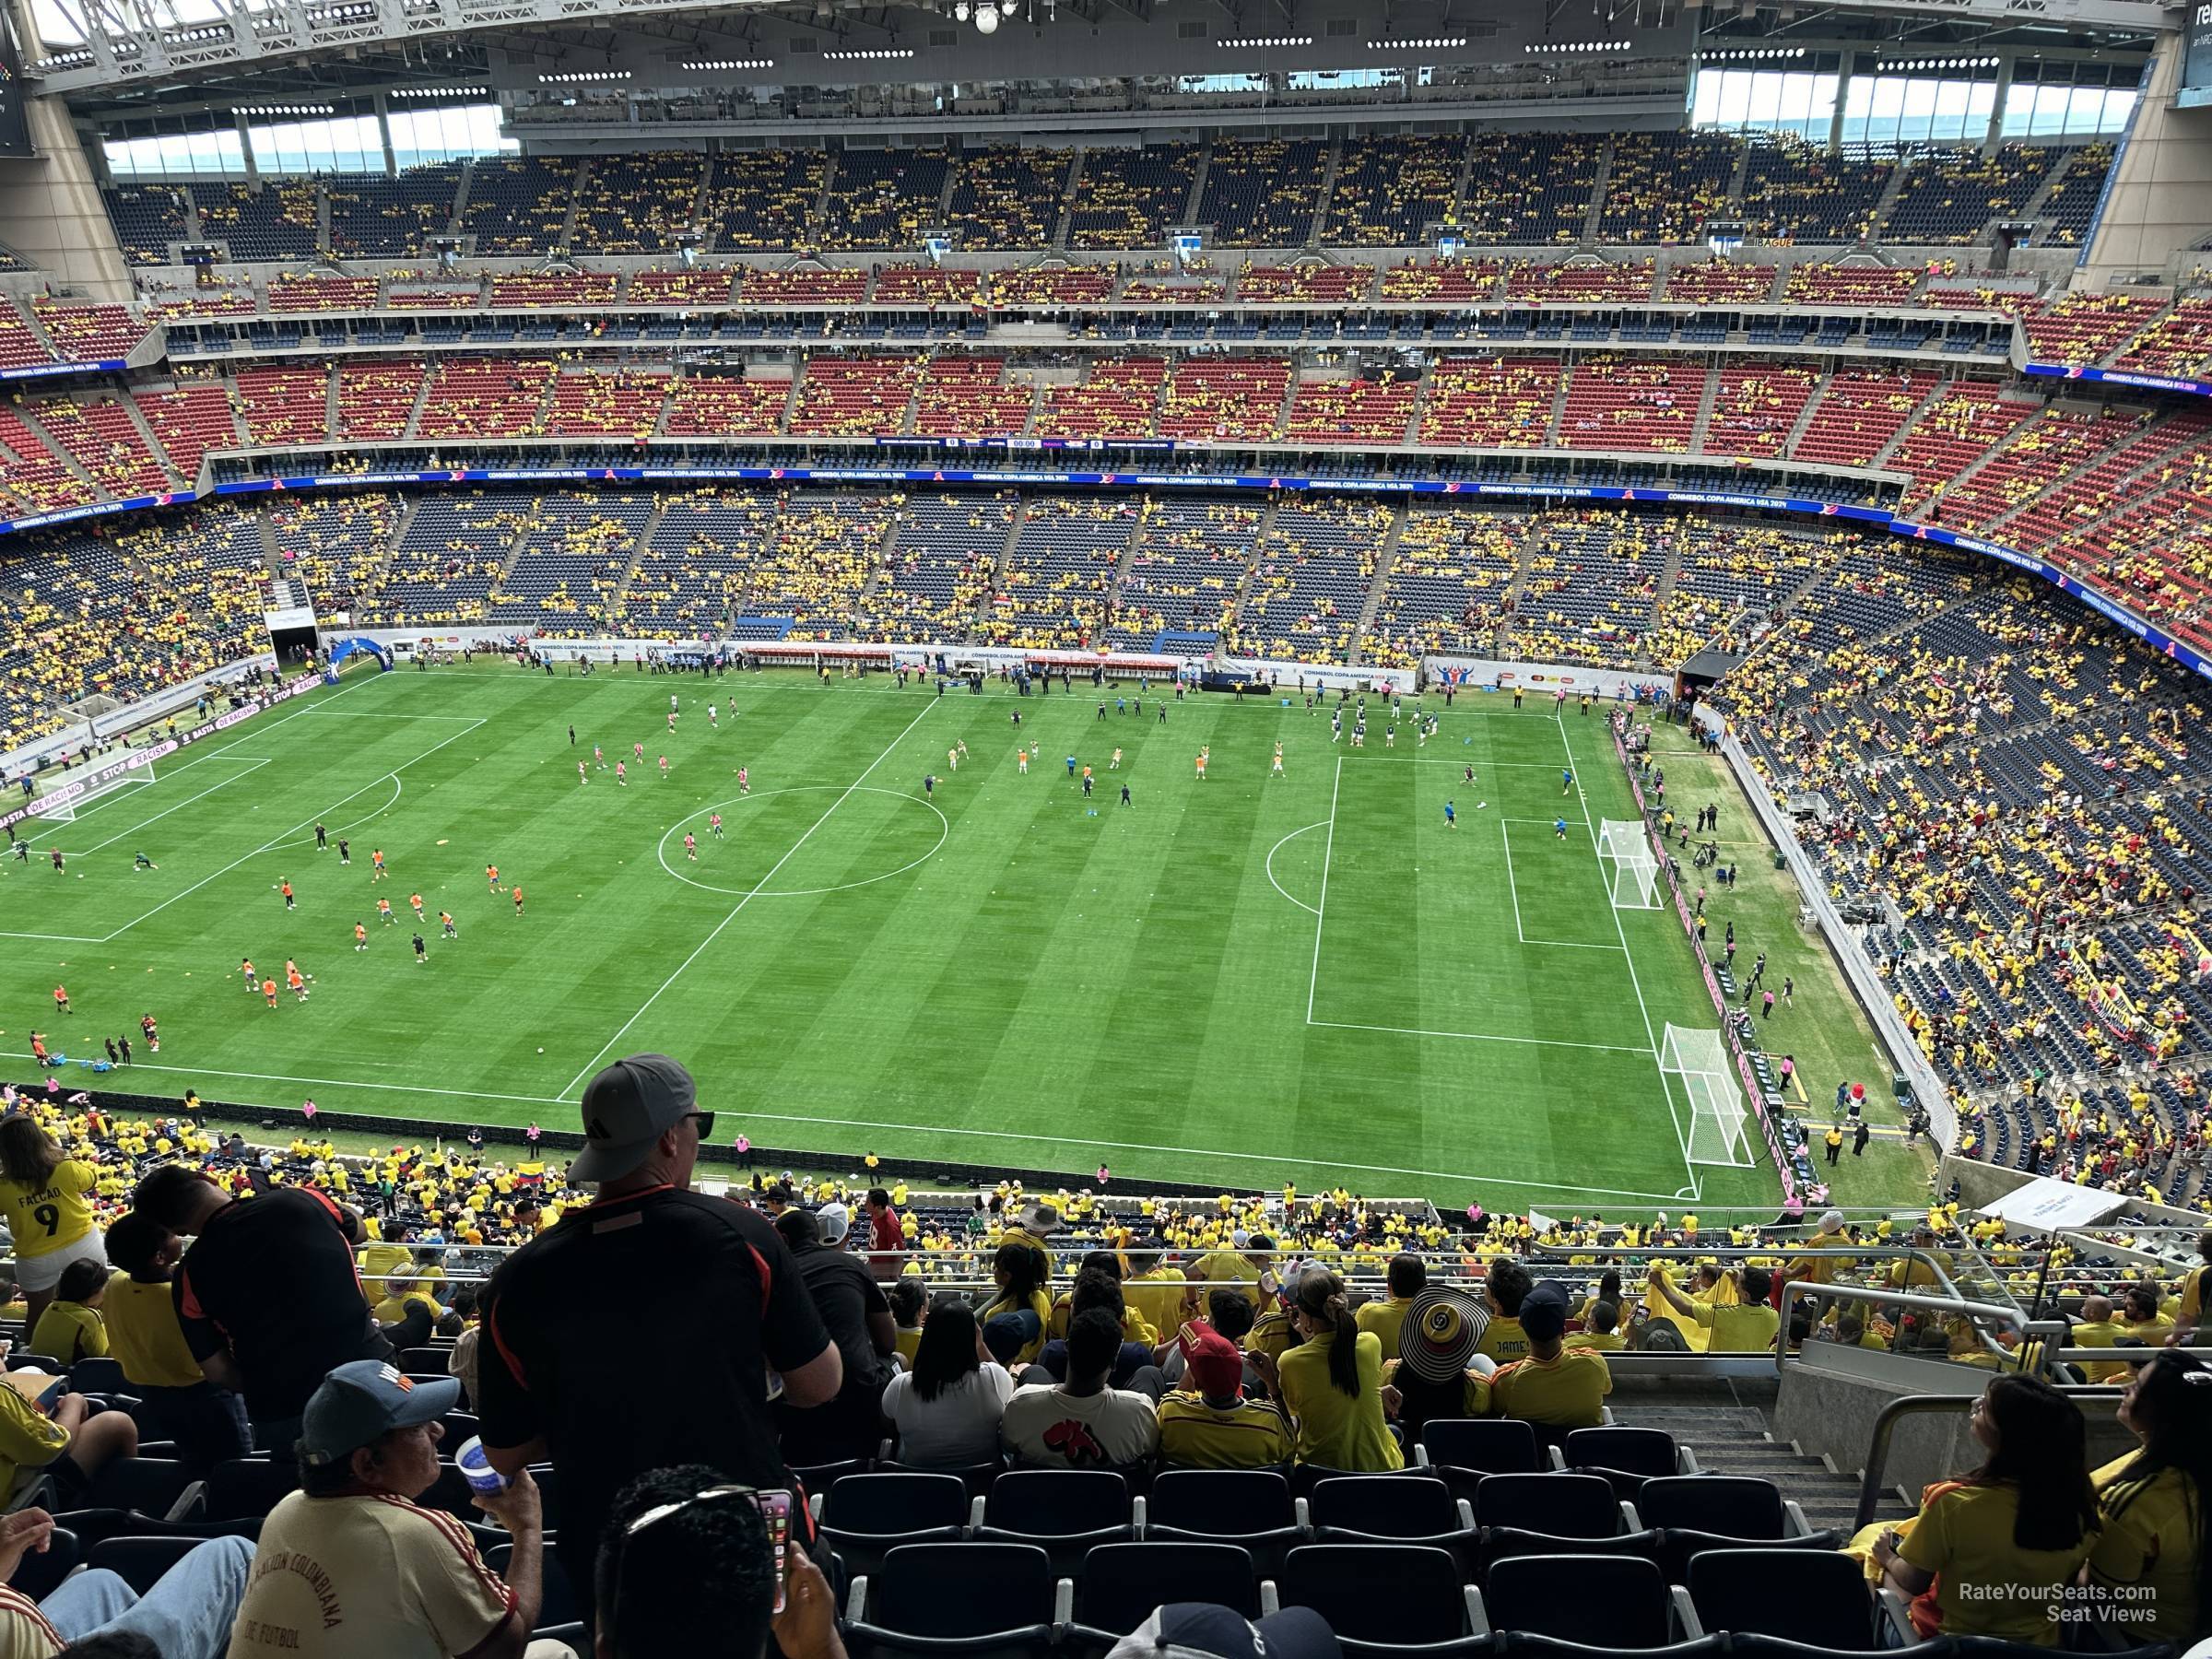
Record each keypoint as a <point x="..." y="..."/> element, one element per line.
<point x="1009" y="1329"/>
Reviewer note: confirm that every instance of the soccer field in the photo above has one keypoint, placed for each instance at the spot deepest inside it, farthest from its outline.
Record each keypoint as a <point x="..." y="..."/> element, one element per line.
<point x="1246" y="980"/>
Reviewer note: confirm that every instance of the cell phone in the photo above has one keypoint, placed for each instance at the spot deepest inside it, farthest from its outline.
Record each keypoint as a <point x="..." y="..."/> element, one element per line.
<point x="775" y="1510"/>
<point x="52" y="1396"/>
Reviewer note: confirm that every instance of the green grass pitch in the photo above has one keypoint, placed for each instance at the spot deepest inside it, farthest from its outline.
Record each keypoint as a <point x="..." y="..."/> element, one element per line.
<point x="1246" y="980"/>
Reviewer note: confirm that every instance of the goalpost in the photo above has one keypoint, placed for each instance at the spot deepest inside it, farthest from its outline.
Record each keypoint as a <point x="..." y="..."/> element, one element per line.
<point x="1716" y="1105"/>
<point x="1631" y="867"/>
<point x="74" y="793"/>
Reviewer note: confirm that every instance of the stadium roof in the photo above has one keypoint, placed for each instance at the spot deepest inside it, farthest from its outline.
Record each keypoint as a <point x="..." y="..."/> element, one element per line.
<point x="121" y="56"/>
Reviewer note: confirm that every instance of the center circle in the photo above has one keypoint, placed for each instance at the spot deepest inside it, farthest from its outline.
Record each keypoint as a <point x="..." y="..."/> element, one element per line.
<point x="696" y="823"/>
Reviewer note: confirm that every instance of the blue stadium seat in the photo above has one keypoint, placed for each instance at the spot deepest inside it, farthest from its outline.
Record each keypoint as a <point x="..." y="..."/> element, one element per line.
<point x="1250" y="1508"/>
<point x="1067" y="1512"/>
<point x="1611" y="1602"/>
<point x="140" y="1562"/>
<point x="979" y="1601"/>
<point x="1819" y="1597"/>
<point x="1120" y="1583"/>
<point x="867" y="1516"/>
<point x="1386" y="1599"/>
<point x="1371" y="1508"/>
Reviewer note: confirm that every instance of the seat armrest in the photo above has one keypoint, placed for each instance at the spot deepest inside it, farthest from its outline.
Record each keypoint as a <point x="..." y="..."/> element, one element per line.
<point x="1137" y="1516"/>
<point x="189" y="1503"/>
<point x="1559" y="1459"/>
<point x="1897" y="1611"/>
<point x="1686" y="1462"/>
<point x="814" y="1507"/>
<point x="1686" y="1627"/>
<point x="1420" y="1455"/>
<point x="1794" y="1523"/>
<point x="1270" y="1601"/>
<point x="1631" y="1522"/>
<point x="1064" y="1605"/>
<point x="975" y="1515"/>
<point x="1605" y="1417"/>
<point x="1478" y="1621"/>
<point x="856" y="1601"/>
<point x="1305" y="1520"/>
<point x="1466" y="1516"/>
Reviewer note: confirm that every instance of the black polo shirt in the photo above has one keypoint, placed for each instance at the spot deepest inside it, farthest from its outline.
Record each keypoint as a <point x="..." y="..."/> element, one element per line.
<point x="272" y="1279"/>
<point x="638" y="1333"/>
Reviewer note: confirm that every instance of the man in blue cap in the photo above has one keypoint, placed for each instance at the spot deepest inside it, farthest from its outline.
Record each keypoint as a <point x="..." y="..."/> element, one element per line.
<point x="350" y="1565"/>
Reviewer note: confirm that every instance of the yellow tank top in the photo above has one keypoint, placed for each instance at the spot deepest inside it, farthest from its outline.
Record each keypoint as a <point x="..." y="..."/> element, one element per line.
<point x="51" y="1218"/>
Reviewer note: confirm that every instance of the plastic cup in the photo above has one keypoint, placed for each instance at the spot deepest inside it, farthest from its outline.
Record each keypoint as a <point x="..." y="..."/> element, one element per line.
<point x="475" y="1469"/>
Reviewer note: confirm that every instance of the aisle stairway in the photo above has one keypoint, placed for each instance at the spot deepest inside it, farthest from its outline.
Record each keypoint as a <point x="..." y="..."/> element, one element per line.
<point x="1730" y="1437"/>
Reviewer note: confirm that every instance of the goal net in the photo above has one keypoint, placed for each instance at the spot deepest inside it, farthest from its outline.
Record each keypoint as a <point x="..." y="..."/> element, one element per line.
<point x="1716" y="1105"/>
<point x="1631" y="867"/>
<point x="73" y="793"/>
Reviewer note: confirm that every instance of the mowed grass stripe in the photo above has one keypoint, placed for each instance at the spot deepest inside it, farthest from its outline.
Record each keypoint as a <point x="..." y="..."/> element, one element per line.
<point x="989" y="991"/>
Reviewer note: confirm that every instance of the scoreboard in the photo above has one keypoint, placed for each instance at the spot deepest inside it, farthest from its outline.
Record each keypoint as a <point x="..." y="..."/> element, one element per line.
<point x="15" y="121"/>
<point x="2196" y="60"/>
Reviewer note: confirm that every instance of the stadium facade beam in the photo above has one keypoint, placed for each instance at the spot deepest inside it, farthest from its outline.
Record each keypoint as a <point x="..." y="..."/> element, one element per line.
<point x="146" y="42"/>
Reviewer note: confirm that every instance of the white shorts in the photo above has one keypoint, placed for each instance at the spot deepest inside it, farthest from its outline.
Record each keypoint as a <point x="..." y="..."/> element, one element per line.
<point x="44" y="1271"/>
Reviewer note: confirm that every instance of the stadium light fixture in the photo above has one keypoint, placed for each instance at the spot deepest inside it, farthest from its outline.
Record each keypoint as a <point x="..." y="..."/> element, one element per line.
<point x="1267" y="43"/>
<point x="580" y="77"/>
<point x="729" y="63"/>
<point x="1436" y="44"/>
<point x="962" y="11"/>
<point x="986" y="20"/>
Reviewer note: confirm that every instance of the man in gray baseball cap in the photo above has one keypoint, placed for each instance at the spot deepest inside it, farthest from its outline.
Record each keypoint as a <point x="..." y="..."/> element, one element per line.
<point x="663" y="1270"/>
<point x="628" y="1107"/>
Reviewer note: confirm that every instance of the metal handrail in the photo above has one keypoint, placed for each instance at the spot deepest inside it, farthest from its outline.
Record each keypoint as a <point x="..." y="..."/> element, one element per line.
<point x="1885" y="1427"/>
<point x="1953" y="1304"/>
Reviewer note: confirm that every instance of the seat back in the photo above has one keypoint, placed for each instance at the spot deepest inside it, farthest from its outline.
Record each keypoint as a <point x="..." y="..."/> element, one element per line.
<point x="1738" y="1506"/>
<point x="1046" y="1503"/>
<point x="38" y="1575"/>
<point x="888" y="1505"/>
<point x="1226" y="1502"/>
<point x="150" y="1484"/>
<point x="977" y="1477"/>
<point x="1492" y="1445"/>
<point x="140" y="1562"/>
<point x="1384" y="1506"/>
<point x="1120" y="1583"/>
<point x="1646" y="1451"/>
<point x="249" y="1486"/>
<point x="1609" y="1602"/>
<point x="821" y="1477"/>
<point x="424" y="1361"/>
<point x="961" y="1591"/>
<point x="1401" y="1594"/>
<point x="1565" y="1506"/>
<point x="1810" y="1596"/>
<point x="98" y="1374"/>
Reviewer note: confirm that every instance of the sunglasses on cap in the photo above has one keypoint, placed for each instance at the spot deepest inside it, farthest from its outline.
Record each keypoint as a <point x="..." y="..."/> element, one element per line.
<point x="705" y="1120"/>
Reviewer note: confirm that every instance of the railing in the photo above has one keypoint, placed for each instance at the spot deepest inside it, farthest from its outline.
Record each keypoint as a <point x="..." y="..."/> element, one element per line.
<point x="1885" y="1427"/>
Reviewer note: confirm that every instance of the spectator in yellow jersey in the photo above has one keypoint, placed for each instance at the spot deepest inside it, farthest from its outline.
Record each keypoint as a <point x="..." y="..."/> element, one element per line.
<point x="1332" y="1382"/>
<point x="71" y="1328"/>
<point x="70" y="1443"/>
<point x="1017" y="1319"/>
<point x="176" y="1402"/>
<point x="1505" y="1341"/>
<point x="45" y="1195"/>
<point x="1405" y="1278"/>
<point x="1745" y="1327"/>
<point x="2195" y="1310"/>
<point x="1208" y="1424"/>
<point x="1990" y="1552"/>
<point x="908" y="1301"/>
<point x="1599" y="1333"/>
<point x="2152" y="1501"/>
<point x="1559" y="1387"/>
<point x="2098" y="1328"/>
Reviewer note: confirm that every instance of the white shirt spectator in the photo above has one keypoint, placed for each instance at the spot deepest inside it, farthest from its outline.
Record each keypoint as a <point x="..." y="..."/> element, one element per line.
<point x="957" y="1428"/>
<point x="1051" y="1428"/>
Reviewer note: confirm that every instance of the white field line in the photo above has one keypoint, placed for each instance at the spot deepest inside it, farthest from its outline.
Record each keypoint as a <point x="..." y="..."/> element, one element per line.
<point x="591" y="1064"/>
